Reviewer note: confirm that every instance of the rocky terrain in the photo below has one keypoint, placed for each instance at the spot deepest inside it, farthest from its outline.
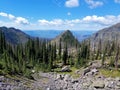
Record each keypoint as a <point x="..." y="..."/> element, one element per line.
<point x="90" y="79"/>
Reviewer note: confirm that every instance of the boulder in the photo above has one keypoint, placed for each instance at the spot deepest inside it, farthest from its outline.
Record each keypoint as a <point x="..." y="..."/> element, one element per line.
<point x="66" y="69"/>
<point x="98" y="84"/>
<point x="74" y="81"/>
<point x="67" y="77"/>
<point x="86" y="84"/>
<point x="94" y="71"/>
<point x="86" y="70"/>
<point x="117" y="78"/>
<point x="59" y="77"/>
<point x="118" y="84"/>
<point x="2" y="78"/>
<point x="110" y="84"/>
<point x="96" y="64"/>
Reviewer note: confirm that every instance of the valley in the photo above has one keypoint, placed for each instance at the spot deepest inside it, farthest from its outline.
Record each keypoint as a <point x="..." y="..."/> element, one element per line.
<point x="59" y="44"/>
<point x="51" y="34"/>
<point x="62" y="63"/>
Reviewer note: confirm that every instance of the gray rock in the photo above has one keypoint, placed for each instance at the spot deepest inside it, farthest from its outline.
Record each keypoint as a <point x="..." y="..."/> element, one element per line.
<point x="94" y="70"/>
<point x="58" y="76"/>
<point x="65" y="86"/>
<point x="74" y="81"/>
<point x="118" y="84"/>
<point x="98" y="84"/>
<point x="66" y="69"/>
<point x="110" y="84"/>
<point x="67" y="77"/>
<point x="117" y="78"/>
<point x="86" y="84"/>
<point x="86" y="70"/>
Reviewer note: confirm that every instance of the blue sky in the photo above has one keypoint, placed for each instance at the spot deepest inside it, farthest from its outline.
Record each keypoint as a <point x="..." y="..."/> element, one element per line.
<point x="59" y="14"/>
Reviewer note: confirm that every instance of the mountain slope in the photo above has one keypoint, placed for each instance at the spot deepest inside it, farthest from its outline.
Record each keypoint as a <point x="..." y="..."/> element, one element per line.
<point x="66" y="37"/>
<point x="107" y="34"/>
<point x="14" y="36"/>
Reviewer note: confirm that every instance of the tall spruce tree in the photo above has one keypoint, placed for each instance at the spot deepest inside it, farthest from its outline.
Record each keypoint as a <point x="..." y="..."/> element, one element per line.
<point x="65" y="55"/>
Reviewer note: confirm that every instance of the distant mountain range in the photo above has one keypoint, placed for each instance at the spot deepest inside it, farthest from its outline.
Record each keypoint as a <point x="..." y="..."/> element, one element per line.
<point x="16" y="36"/>
<point x="51" y="34"/>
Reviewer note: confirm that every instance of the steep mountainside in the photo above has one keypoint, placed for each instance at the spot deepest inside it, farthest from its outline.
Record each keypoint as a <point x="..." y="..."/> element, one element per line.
<point x="14" y="36"/>
<point x="66" y="37"/>
<point x="107" y="34"/>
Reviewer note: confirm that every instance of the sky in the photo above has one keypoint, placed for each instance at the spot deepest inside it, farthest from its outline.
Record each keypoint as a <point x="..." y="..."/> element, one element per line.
<point x="59" y="14"/>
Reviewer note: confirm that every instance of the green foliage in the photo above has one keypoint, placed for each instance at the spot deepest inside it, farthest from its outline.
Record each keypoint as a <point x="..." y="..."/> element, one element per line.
<point x="110" y="73"/>
<point x="22" y="59"/>
<point x="40" y="55"/>
<point x="65" y="55"/>
<point x="111" y="62"/>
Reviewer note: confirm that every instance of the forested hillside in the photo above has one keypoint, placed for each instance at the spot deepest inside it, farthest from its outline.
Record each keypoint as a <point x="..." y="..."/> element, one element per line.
<point x="14" y="36"/>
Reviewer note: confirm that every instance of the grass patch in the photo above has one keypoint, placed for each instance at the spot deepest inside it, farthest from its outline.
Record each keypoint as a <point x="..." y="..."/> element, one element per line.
<point x="110" y="73"/>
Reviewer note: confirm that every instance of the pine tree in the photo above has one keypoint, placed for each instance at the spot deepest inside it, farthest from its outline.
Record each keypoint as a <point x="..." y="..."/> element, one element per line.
<point x="59" y="53"/>
<point x="117" y="58"/>
<point x="65" y="55"/>
<point x="103" y="56"/>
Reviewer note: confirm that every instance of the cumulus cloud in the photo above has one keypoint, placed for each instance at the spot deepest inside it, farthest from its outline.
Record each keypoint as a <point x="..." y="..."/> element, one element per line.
<point x="117" y="1"/>
<point x="72" y="3"/>
<point x="93" y="4"/>
<point x="10" y="16"/>
<point x="55" y="22"/>
<point x="3" y="14"/>
<point x="68" y="13"/>
<point x="103" y="20"/>
<point x="19" y="20"/>
<point x="93" y="22"/>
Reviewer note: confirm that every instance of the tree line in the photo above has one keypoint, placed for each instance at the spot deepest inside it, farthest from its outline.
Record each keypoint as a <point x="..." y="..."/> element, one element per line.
<point x="41" y="55"/>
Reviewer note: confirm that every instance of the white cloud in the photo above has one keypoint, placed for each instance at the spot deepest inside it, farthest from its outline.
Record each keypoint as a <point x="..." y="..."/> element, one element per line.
<point x="117" y="1"/>
<point x="103" y="20"/>
<point x="68" y="13"/>
<point x="93" y="3"/>
<point x="10" y="16"/>
<point x="19" y="20"/>
<point x="72" y="3"/>
<point x="55" y="22"/>
<point x="3" y="14"/>
<point x="93" y="22"/>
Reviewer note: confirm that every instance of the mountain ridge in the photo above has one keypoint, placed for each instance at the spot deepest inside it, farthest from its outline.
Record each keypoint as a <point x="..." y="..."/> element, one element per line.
<point x="14" y="36"/>
<point x="105" y="35"/>
<point x="65" y="37"/>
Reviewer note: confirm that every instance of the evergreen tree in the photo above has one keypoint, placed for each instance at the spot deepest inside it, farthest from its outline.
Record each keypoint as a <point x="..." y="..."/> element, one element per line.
<point x="65" y="55"/>
<point x="117" y="58"/>
<point x="60" y="48"/>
